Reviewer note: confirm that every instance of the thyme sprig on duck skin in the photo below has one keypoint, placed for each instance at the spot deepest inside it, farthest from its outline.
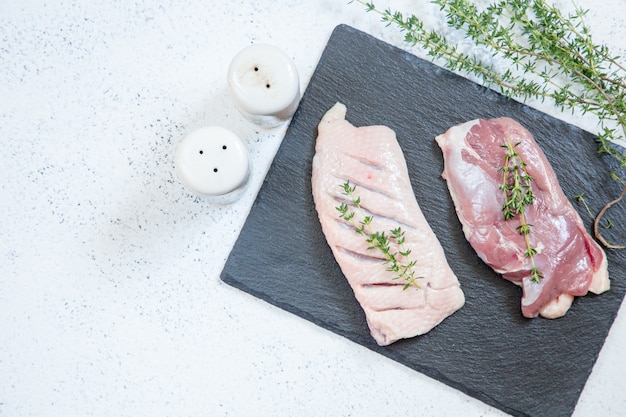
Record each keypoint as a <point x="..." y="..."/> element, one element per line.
<point x="546" y="54"/>
<point x="518" y="195"/>
<point x="398" y="261"/>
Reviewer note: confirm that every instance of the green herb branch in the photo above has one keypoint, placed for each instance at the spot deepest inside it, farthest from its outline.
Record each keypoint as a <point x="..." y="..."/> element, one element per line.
<point x="549" y="55"/>
<point x="580" y="198"/>
<point x="398" y="261"/>
<point x="518" y="195"/>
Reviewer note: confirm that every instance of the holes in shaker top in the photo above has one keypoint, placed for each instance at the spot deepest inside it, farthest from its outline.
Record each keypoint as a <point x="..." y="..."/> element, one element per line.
<point x="201" y="152"/>
<point x="257" y="69"/>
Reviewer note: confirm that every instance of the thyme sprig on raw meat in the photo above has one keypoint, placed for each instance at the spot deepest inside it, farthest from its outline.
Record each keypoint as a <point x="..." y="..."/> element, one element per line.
<point x="518" y="195"/>
<point x="545" y="55"/>
<point x="398" y="261"/>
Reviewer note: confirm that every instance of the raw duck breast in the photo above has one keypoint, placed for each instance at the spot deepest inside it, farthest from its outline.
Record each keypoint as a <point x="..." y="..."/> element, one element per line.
<point x="370" y="158"/>
<point x="571" y="262"/>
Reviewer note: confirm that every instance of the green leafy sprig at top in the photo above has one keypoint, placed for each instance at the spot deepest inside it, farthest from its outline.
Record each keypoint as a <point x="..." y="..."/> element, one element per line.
<point x="551" y="56"/>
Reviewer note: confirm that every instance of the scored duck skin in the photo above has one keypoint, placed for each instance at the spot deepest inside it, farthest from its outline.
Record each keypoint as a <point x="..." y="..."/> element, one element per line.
<point x="571" y="262"/>
<point x="371" y="159"/>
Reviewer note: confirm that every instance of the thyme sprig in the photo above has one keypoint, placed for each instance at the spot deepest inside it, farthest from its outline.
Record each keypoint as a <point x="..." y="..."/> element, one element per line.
<point x="580" y="198"/>
<point x="546" y="55"/>
<point x="397" y="261"/>
<point x="518" y="195"/>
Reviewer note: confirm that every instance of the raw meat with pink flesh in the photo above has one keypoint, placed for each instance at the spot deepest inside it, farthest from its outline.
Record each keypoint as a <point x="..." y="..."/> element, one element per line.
<point x="571" y="262"/>
<point x="371" y="158"/>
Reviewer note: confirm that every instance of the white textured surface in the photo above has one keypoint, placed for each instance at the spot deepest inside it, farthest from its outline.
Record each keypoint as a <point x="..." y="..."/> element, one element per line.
<point x="110" y="298"/>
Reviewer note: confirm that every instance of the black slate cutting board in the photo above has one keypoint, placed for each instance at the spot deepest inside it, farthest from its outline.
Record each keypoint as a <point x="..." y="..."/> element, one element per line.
<point x="487" y="349"/>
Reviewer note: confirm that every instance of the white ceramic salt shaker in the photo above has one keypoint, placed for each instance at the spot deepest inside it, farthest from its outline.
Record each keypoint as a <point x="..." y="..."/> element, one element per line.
<point x="212" y="161"/>
<point x="264" y="84"/>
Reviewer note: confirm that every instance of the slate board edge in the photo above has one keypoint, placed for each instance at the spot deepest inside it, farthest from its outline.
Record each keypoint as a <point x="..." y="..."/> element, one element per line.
<point x="425" y="370"/>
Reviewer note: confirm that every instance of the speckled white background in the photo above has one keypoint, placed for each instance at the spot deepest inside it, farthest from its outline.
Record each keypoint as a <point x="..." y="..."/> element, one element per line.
<point x="110" y="297"/>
